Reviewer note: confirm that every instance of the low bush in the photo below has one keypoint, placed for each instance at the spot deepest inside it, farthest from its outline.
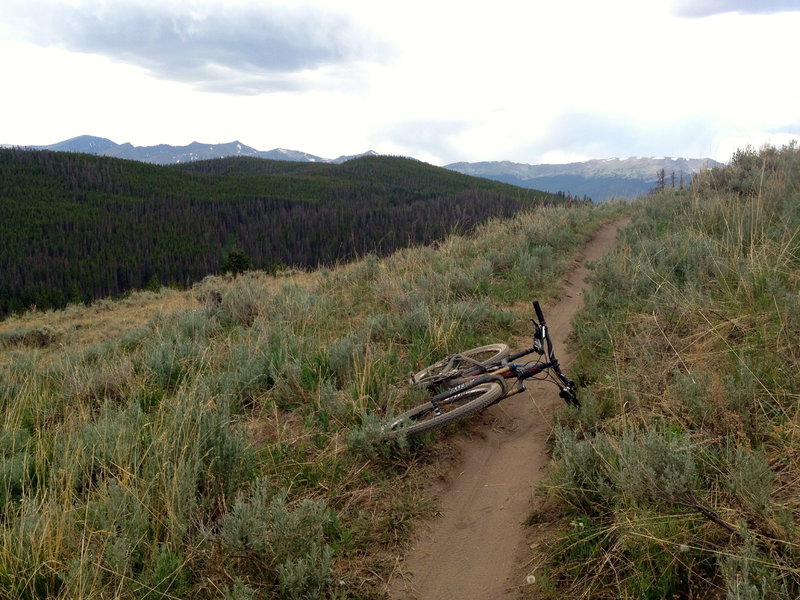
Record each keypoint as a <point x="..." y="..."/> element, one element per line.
<point x="290" y="544"/>
<point x="34" y="337"/>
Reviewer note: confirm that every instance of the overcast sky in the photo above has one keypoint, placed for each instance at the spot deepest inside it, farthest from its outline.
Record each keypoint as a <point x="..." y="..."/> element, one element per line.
<point x="532" y="81"/>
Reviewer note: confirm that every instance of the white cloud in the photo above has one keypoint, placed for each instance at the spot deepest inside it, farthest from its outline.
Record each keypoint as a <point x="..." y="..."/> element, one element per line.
<point x="705" y="8"/>
<point x="233" y="48"/>
<point x="442" y="81"/>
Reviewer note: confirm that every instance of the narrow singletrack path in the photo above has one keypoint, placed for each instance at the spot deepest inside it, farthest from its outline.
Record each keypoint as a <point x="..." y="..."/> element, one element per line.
<point x="473" y="550"/>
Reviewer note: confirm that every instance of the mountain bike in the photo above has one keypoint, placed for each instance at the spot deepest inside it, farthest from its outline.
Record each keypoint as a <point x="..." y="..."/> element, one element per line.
<point x="469" y="381"/>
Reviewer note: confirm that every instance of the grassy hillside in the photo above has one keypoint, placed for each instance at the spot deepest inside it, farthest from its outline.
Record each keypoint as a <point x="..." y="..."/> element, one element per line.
<point x="680" y="476"/>
<point x="79" y="227"/>
<point x="223" y="442"/>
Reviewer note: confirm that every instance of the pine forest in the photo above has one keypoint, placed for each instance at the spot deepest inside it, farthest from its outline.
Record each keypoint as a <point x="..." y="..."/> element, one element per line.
<point x="78" y="227"/>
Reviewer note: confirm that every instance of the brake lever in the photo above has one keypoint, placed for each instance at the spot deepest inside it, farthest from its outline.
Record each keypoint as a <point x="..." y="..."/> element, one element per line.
<point x="538" y="337"/>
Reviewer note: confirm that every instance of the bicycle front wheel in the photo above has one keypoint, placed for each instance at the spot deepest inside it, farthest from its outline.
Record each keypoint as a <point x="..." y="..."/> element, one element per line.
<point x="451" y="371"/>
<point x="429" y="416"/>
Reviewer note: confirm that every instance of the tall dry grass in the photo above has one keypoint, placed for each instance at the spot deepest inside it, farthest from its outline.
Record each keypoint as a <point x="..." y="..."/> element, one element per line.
<point x="681" y="470"/>
<point x="220" y="443"/>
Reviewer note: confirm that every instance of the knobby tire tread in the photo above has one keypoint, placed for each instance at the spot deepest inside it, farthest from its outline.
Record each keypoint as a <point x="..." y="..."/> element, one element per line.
<point x="410" y="424"/>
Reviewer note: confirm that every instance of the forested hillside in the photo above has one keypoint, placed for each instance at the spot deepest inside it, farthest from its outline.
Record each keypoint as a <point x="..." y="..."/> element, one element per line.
<point x="77" y="226"/>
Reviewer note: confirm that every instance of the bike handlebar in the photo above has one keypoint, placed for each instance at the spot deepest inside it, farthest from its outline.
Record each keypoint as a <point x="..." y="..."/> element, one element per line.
<point x="567" y="385"/>
<point x="538" y="310"/>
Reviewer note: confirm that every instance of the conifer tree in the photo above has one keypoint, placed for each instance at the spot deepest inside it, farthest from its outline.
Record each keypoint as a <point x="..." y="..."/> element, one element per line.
<point x="236" y="263"/>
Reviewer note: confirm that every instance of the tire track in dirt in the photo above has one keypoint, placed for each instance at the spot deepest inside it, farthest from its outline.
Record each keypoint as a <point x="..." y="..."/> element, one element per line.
<point x="473" y="550"/>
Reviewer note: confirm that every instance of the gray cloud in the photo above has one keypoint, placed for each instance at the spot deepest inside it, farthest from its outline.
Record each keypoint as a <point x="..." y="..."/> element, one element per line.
<point x="582" y="133"/>
<point x="236" y="48"/>
<point x="425" y="135"/>
<point x="602" y="135"/>
<point x="706" y="8"/>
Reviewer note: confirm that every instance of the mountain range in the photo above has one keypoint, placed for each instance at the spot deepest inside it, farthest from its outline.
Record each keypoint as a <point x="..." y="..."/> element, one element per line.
<point x="164" y="154"/>
<point x="600" y="179"/>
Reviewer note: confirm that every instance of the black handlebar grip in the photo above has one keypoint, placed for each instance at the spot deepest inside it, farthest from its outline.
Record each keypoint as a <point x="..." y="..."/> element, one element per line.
<point x="538" y="310"/>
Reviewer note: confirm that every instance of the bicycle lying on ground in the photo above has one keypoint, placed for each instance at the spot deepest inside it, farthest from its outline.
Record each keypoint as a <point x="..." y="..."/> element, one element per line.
<point x="470" y="381"/>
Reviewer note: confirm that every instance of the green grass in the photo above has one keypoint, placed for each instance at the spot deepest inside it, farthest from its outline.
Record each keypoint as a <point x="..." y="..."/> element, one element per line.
<point x="684" y="454"/>
<point x="222" y="443"/>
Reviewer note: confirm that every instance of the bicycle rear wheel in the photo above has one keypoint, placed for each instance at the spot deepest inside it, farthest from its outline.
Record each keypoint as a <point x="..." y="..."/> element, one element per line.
<point x="427" y="416"/>
<point x="450" y="371"/>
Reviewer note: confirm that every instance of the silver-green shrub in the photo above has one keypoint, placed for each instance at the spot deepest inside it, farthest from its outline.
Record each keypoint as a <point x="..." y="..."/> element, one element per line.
<point x="656" y="466"/>
<point x="342" y="355"/>
<point x="290" y="541"/>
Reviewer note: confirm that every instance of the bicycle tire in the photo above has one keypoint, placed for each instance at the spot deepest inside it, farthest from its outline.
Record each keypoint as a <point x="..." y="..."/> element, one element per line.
<point x="435" y="374"/>
<point x="425" y="416"/>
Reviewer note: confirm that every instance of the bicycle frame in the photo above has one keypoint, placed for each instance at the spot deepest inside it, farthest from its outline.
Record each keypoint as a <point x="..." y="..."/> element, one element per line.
<point x="542" y="345"/>
<point x="483" y="384"/>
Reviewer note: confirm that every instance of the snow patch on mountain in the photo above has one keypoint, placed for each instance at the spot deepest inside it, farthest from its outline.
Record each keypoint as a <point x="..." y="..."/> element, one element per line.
<point x="599" y="179"/>
<point x="165" y="154"/>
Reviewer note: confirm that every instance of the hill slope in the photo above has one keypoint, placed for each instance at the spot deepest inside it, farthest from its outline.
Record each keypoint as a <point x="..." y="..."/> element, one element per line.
<point x="224" y="441"/>
<point x="78" y="226"/>
<point x="680" y="476"/>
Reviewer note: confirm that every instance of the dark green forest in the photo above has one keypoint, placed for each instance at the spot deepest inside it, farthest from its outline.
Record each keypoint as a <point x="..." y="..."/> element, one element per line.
<point x="77" y="227"/>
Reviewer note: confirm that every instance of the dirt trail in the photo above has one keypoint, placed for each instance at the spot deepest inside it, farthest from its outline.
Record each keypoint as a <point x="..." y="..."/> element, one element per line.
<point x="473" y="550"/>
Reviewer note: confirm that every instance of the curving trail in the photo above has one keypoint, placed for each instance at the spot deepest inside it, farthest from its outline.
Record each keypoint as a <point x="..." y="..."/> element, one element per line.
<point x="472" y="551"/>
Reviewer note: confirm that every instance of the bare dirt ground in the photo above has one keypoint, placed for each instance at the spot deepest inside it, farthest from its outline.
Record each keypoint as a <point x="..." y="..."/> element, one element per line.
<point x="477" y="547"/>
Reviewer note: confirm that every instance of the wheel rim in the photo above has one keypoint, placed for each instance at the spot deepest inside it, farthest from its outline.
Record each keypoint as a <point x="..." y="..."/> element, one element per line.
<point x="443" y="370"/>
<point x="424" y="416"/>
